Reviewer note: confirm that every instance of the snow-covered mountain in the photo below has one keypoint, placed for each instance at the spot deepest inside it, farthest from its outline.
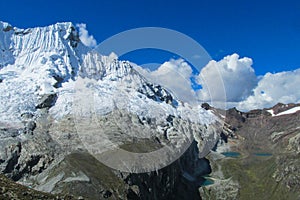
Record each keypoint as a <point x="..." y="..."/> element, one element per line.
<point x="48" y="60"/>
<point x="59" y="96"/>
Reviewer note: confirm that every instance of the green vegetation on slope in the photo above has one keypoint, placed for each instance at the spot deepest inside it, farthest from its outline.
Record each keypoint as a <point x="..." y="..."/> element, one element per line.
<point x="254" y="175"/>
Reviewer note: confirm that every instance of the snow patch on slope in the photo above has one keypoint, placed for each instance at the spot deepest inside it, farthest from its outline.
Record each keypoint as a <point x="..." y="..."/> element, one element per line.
<point x="287" y="112"/>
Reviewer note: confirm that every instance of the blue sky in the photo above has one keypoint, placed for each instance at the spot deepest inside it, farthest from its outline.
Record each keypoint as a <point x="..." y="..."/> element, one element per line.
<point x="266" y="31"/>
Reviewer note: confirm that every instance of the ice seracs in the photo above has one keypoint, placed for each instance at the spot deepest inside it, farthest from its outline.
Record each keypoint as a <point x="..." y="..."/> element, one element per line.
<point x="33" y="62"/>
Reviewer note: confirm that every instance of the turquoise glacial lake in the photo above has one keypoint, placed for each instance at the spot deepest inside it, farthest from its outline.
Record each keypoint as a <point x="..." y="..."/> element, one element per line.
<point x="231" y="154"/>
<point x="207" y="182"/>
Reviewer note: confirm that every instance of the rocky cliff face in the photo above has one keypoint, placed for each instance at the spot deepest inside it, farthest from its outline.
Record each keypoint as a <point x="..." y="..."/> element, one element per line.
<point x="65" y="108"/>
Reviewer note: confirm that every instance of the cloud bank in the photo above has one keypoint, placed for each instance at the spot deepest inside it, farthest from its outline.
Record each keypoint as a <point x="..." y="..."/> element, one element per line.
<point x="240" y="86"/>
<point x="84" y="36"/>
<point x="283" y="87"/>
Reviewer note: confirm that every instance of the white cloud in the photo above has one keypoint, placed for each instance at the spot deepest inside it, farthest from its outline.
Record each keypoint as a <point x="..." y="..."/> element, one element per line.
<point x="280" y="87"/>
<point x="175" y="76"/>
<point x="231" y="79"/>
<point x="84" y="36"/>
<point x="232" y="74"/>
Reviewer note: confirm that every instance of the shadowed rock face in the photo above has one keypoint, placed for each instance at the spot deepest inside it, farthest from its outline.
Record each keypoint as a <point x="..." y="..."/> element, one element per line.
<point x="52" y="159"/>
<point x="46" y="101"/>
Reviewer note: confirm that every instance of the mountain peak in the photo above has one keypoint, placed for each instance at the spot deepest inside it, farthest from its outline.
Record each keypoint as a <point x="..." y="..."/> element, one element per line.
<point x="60" y="26"/>
<point x="34" y="57"/>
<point x="4" y="26"/>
